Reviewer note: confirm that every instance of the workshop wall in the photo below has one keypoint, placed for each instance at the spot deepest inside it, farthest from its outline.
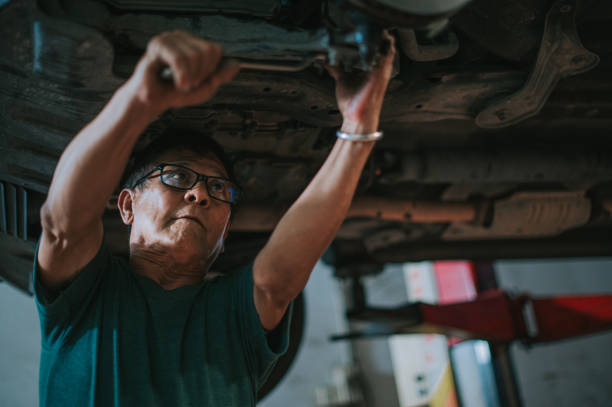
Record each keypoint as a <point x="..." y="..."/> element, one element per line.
<point x="19" y="348"/>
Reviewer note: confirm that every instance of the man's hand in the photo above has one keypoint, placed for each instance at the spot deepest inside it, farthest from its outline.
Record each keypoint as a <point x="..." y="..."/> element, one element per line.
<point x="360" y="95"/>
<point x="196" y="65"/>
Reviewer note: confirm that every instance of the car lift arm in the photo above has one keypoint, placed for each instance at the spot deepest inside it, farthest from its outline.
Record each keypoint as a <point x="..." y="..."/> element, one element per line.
<point x="494" y="316"/>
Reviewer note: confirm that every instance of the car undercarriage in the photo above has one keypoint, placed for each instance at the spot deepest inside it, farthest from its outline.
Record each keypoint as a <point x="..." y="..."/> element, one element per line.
<point x="497" y="120"/>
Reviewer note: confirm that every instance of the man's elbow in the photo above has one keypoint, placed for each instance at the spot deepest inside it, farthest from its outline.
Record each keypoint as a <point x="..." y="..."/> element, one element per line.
<point x="49" y="222"/>
<point x="58" y="231"/>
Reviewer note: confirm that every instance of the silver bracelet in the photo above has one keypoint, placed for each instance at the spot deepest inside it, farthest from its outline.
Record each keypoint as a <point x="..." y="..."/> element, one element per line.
<point x="359" y="137"/>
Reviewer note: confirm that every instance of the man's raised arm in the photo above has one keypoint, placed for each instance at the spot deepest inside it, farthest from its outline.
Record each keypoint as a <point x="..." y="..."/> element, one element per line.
<point x="283" y="266"/>
<point x="92" y="164"/>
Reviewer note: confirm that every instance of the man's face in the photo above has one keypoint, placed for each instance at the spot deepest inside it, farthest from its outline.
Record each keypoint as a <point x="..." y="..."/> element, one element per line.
<point x="188" y="225"/>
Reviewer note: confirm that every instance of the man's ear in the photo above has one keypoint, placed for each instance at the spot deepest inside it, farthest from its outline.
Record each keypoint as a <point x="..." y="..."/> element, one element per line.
<point x="124" y="203"/>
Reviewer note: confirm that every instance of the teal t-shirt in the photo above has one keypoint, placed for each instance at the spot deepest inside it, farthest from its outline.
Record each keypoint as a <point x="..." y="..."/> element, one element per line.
<point x="116" y="338"/>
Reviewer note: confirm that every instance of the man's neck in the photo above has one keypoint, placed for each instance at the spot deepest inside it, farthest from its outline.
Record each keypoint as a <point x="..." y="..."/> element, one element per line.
<point x="162" y="267"/>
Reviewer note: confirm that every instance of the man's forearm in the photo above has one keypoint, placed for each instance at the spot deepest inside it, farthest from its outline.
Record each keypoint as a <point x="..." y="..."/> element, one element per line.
<point x="310" y="224"/>
<point x="92" y="164"/>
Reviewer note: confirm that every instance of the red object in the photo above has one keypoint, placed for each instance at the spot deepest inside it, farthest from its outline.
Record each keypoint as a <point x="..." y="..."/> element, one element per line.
<point x="564" y="317"/>
<point x="495" y="316"/>
<point x="492" y="315"/>
<point x="455" y="281"/>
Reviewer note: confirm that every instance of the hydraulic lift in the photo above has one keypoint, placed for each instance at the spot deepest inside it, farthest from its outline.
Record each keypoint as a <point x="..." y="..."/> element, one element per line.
<point x="494" y="316"/>
<point x="489" y="314"/>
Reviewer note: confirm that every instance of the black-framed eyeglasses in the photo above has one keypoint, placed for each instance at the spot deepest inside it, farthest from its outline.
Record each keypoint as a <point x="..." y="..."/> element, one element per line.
<point x="184" y="178"/>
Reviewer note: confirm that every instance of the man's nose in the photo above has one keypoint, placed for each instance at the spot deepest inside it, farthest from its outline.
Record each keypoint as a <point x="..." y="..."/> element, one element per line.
<point x="198" y="194"/>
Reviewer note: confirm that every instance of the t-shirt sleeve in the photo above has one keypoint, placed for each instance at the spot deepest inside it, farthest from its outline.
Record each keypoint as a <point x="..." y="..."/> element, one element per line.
<point x="262" y="348"/>
<point x="60" y="312"/>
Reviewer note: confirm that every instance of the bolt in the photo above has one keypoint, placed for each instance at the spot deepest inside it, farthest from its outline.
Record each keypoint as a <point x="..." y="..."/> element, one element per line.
<point x="501" y="115"/>
<point x="580" y="59"/>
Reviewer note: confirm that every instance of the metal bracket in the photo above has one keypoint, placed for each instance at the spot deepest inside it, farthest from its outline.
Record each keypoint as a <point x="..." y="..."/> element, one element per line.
<point x="409" y="44"/>
<point x="561" y="55"/>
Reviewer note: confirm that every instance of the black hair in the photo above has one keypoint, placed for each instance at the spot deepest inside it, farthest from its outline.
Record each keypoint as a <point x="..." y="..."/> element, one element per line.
<point x="174" y="138"/>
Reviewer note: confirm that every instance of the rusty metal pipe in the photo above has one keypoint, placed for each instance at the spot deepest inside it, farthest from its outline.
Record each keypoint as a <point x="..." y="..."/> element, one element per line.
<point x="412" y="211"/>
<point x="264" y="218"/>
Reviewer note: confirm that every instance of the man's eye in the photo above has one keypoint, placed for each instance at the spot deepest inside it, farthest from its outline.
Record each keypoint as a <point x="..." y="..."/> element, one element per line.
<point x="217" y="186"/>
<point x="175" y="176"/>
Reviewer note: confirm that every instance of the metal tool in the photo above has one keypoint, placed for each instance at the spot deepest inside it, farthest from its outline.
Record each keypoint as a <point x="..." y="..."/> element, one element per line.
<point x="167" y="75"/>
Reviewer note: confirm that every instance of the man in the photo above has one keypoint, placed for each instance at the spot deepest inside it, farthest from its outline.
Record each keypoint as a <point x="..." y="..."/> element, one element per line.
<point x="151" y="332"/>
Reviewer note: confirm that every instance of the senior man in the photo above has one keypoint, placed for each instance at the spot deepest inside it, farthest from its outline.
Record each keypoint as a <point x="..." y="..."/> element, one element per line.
<point x="152" y="331"/>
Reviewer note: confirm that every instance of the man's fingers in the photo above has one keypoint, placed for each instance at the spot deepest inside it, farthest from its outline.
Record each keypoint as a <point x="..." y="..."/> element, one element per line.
<point x="209" y="57"/>
<point x="391" y="40"/>
<point x="390" y="56"/>
<point x="334" y="71"/>
<point x="228" y="69"/>
<point x="225" y="72"/>
<point x="164" y="48"/>
<point x="191" y="59"/>
<point x="355" y="79"/>
<point x="381" y="73"/>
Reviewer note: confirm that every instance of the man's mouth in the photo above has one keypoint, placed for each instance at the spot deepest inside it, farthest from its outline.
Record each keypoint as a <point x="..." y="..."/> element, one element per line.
<point x="194" y="219"/>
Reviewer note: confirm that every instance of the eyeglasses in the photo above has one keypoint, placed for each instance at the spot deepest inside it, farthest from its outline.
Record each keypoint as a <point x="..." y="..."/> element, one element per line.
<point x="184" y="178"/>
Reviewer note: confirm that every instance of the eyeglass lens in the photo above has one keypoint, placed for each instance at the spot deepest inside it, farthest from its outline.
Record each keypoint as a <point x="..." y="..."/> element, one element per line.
<point x="184" y="178"/>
